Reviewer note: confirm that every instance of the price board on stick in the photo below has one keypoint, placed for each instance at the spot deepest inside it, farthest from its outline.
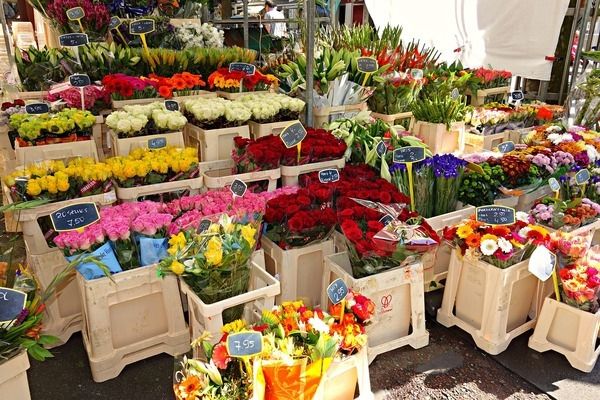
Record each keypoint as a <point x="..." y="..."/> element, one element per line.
<point x="115" y="22"/>
<point x="582" y="176"/>
<point x="409" y="154"/>
<point x="238" y="188"/>
<point x="381" y="149"/>
<point x="79" y="80"/>
<point x="75" y="13"/>
<point x="506" y="147"/>
<point x="366" y="65"/>
<point x="12" y="303"/>
<point x="416" y="73"/>
<point x="204" y="225"/>
<point x="74" y="217"/>
<point x="329" y="175"/>
<point x="172" y="105"/>
<point x="293" y="134"/>
<point x="37" y="108"/>
<point x="495" y="215"/>
<point x="337" y="291"/>
<point x="142" y="26"/>
<point x="73" y="39"/>
<point x="516" y="97"/>
<point x="554" y="184"/>
<point x="244" y="344"/>
<point x="248" y="69"/>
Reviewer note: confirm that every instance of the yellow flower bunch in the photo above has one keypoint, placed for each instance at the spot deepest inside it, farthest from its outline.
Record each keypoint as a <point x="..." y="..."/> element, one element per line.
<point x="140" y="162"/>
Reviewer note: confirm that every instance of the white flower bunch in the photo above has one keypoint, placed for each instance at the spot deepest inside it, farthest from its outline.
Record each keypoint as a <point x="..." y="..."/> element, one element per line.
<point x="125" y="122"/>
<point x="237" y="112"/>
<point x="265" y="106"/>
<point x="213" y="109"/>
<point x="168" y="120"/>
<point x="557" y="138"/>
<point x="196" y="34"/>
<point x="144" y="109"/>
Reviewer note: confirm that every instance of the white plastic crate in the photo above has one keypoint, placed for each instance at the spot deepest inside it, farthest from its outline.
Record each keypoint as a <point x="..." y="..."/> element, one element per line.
<point x="569" y="331"/>
<point x="13" y="378"/>
<point x="291" y="174"/>
<point x="122" y="147"/>
<point x="343" y="376"/>
<point x="214" y="144"/>
<point x="209" y="317"/>
<point x="58" y="151"/>
<point x="274" y="128"/>
<point x="493" y="305"/>
<point x="296" y="269"/>
<point x="131" y="317"/>
<point x="399" y="300"/>
<point x="218" y="174"/>
<point x="192" y="185"/>
<point x="475" y="143"/>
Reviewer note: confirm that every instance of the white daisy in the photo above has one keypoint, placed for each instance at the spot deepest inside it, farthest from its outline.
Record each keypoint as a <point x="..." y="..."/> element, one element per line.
<point x="505" y="245"/>
<point x="522" y="216"/>
<point x="488" y="247"/>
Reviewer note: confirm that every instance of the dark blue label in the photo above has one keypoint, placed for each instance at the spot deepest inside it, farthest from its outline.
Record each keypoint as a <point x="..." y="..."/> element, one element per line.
<point x="366" y="64"/>
<point x="75" y="13"/>
<point x="329" y="175"/>
<point x="409" y="154"/>
<point x="79" y="80"/>
<point x="114" y="23"/>
<point x="204" y="225"/>
<point x="249" y="69"/>
<point x="74" y="217"/>
<point x="12" y="302"/>
<point x="495" y="215"/>
<point x="157" y="143"/>
<point x="337" y="291"/>
<point x="238" y="188"/>
<point x="244" y="344"/>
<point x="582" y="176"/>
<point x="37" y="108"/>
<point x="171" y="105"/>
<point x="73" y="39"/>
<point x="381" y="149"/>
<point x="141" y="26"/>
<point x="293" y="134"/>
<point x="517" y="95"/>
<point x="506" y="147"/>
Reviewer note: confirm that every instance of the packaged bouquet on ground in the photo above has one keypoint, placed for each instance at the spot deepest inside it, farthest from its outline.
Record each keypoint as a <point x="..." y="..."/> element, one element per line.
<point x="239" y="81"/>
<point x="565" y="215"/>
<point x="143" y="120"/>
<point x="215" y="263"/>
<point x="272" y="107"/>
<point x="56" y="181"/>
<point x="216" y="113"/>
<point x="68" y="125"/>
<point x="146" y="166"/>
<point x="499" y="245"/>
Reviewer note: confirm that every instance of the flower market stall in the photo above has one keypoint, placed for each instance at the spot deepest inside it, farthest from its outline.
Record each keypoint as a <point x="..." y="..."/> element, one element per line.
<point x="274" y="222"/>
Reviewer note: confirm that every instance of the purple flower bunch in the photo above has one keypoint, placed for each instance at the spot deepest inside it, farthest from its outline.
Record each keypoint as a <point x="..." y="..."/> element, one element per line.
<point x="94" y="22"/>
<point x="553" y="161"/>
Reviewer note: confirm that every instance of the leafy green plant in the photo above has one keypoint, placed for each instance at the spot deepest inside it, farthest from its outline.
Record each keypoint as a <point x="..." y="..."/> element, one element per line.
<point x="439" y="109"/>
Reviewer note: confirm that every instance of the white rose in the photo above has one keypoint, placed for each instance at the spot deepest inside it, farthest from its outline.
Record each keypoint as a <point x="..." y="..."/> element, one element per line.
<point x="123" y="125"/>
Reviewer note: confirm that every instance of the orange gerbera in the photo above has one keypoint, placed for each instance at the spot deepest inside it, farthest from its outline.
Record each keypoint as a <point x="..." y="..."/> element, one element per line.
<point x="501" y="231"/>
<point x="179" y="83"/>
<point x="473" y="240"/>
<point x="289" y="325"/>
<point x="165" y="91"/>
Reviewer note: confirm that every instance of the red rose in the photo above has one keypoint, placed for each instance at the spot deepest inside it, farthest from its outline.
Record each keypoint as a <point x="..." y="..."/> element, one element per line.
<point x="375" y="226"/>
<point x="385" y="197"/>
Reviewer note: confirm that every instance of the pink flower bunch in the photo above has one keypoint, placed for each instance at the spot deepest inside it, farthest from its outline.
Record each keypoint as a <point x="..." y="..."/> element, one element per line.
<point x="80" y="241"/>
<point x="543" y="213"/>
<point x="96" y="16"/>
<point x="151" y="224"/>
<point x="492" y="77"/>
<point x="72" y="96"/>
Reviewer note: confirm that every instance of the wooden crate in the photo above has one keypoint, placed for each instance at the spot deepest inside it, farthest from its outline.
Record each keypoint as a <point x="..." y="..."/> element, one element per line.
<point x="13" y="377"/>
<point x="274" y="128"/>
<point x="439" y="139"/>
<point x="475" y="143"/>
<point x="217" y="174"/>
<point x="493" y="305"/>
<point x="59" y="151"/>
<point x="399" y="300"/>
<point x="324" y="115"/>
<point x="97" y="135"/>
<point x="392" y="118"/>
<point x="209" y="317"/>
<point x="237" y="95"/>
<point x="526" y="200"/>
<point x="296" y="269"/>
<point x="30" y="97"/>
<point x="129" y="317"/>
<point x="569" y="331"/>
<point x="291" y="174"/>
<point x="122" y="147"/>
<point x="214" y="144"/>
<point x="479" y="98"/>
<point x="192" y="185"/>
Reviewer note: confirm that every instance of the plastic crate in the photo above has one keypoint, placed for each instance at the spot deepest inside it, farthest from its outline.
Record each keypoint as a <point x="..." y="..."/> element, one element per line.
<point x="437" y="270"/>
<point x="214" y="144"/>
<point x="475" y="143"/>
<point x="343" y="376"/>
<point x="274" y="128"/>
<point x="479" y="98"/>
<point x="526" y="200"/>
<point x="62" y="316"/>
<point x="493" y="305"/>
<point x="192" y="185"/>
<point x="439" y="139"/>
<point x="290" y="174"/>
<point x="399" y="300"/>
<point x="237" y="95"/>
<point x="58" y="151"/>
<point x="97" y="135"/>
<point x="129" y="317"/>
<point x="324" y="115"/>
<point x="217" y="174"/>
<point x="296" y="269"/>
<point x="209" y="317"/>
<point x="569" y="331"/>
<point x="122" y="147"/>
<point x="13" y="378"/>
<point x="392" y="118"/>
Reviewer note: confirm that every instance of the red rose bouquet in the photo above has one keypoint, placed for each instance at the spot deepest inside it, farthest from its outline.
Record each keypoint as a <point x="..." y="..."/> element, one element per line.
<point x="298" y="219"/>
<point x="256" y="155"/>
<point x="318" y="145"/>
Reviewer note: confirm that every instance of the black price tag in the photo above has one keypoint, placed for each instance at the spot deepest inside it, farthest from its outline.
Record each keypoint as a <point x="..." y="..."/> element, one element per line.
<point x="329" y="175"/>
<point x="495" y="215"/>
<point x="337" y="291"/>
<point x="582" y="177"/>
<point x="554" y="184"/>
<point x="73" y="217"/>
<point x="249" y="69"/>
<point x="204" y="225"/>
<point x="73" y="39"/>
<point x="366" y="65"/>
<point x="238" y="188"/>
<point x="37" y="108"/>
<point x="506" y="147"/>
<point x="244" y="344"/>
<point x="517" y="95"/>
<point x="386" y="219"/>
<point x="75" y="13"/>
<point x="12" y="302"/>
<point x="381" y="149"/>
<point x="115" y="22"/>
<point x="293" y="134"/>
<point x="157" y="143"/>
<point x="80" y="80"/>
<point x="171" y="105"/>
<point x="142" y="26"/>
<point x="409" y="154"/>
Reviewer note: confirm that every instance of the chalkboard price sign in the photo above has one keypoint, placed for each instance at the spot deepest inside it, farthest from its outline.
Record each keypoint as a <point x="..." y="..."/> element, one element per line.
<point x="495" y="215"/>
<point x="249" y="69"/>
<point x="517" y="95"/>
<point x="204" y="225"/>
<point x="80" y="80"/>
<point x="337" y="291"/>
<point x="115" y="22"/>
<point x="73" y="39"/>
<point x="37" y="108"/>
<point x="506" y="147"/>
<point x="381" y="149"/>
<point x="329" y="175"/>
<point x="171" y="105"/>
<point x="416" y="73"/>
<point x="582" y="177"/>
<point x="554" y="184"/>
<point x="244" y="344"/>
<point x="409" y="154"/>
<point x="73" y="217"/>
<point x="157" y="143"/>
<point x="386" y="219"/>
<point x="12" y="302"/>
<point x="366" y="65"/>
<point x="293" y="134"/>
<point x="141" y="26"/>
<point x="238" y="188"/>
<point x="75" y="13"/>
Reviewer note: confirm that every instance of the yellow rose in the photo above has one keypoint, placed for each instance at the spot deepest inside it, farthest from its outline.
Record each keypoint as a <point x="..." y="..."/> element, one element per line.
<point x="248" y="232"/>
<point x="214" y="251"/>
<point x="33" y="188"/>
<point x="177" y="268"/>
